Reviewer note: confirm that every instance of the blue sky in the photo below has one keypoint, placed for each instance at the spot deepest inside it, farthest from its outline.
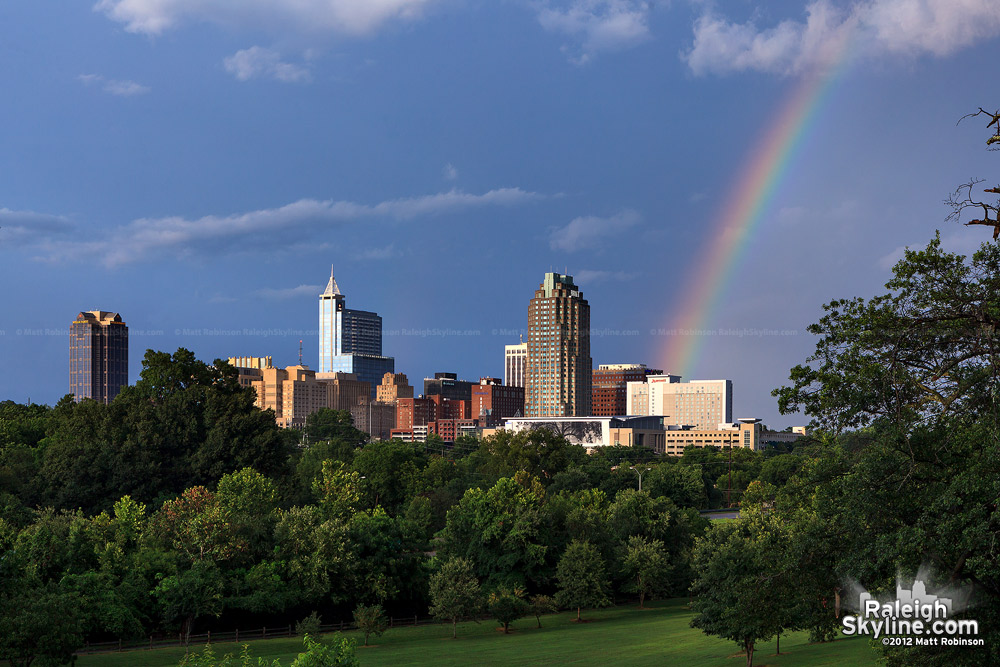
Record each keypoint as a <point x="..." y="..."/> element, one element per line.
<point x="200" y="165"/>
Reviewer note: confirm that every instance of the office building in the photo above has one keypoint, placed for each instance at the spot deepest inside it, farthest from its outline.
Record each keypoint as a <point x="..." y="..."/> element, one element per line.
<point x="593" y="432"/>
<point x="558" y="375"/>
<point x="610" y="382"/>
<point x="393" y="387"/>
<point x="98" y="356"/>
<point x="350" y="341"/>
<point x="651" y="432"/>
<point x="381" y="419"/>
<point x="293" y="393"/>
<point x="250" y="368"/>
<point x="515" y="360"/>
<point x="748" y="433"/>
<point x="345" y="391"/>
<point x="412" y="412"/>
<point x="433" y="414"/>
<point x="447" y="385"/>
<point x="703" y="404"/>
<point x="493" y="401"/>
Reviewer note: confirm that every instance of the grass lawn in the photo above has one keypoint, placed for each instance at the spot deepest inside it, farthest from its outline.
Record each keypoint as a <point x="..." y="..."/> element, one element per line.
<point x="622" y="635"/>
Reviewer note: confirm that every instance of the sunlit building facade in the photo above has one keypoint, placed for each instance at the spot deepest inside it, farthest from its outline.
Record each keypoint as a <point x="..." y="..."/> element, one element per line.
<point x="98" y="356"/>
<point x="558" y="376"/>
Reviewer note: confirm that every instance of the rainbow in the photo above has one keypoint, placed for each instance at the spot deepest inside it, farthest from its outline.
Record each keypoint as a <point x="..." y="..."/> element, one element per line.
<point x="717" y="264"/>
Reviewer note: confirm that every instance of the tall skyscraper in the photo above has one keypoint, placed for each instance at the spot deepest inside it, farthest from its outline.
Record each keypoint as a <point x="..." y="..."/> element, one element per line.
<point x="350" y="341"/>
<point x="98" y="355"/>
<point x="559" y="377"/>
<point x="515" y="358"/>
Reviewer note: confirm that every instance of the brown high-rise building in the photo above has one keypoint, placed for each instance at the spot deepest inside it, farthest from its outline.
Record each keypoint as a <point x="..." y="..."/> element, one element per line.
<point x="293" y="393"/>
<point x="345" y="392"/>
<point x="250" y="369"/>
<point x="559" y="369"/>
<point x="394" y="386"/>
<point x="98" y="356"/>
<point x="610" y="384"/>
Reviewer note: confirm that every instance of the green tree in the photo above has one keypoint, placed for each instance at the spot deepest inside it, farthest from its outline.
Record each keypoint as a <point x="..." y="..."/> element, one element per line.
<point x="499" y="530"/>
<point x="454" y="593"/>
<point x="646" y="567"/>
<point x="315" y="554"/>
<point x="507" y="605"/>
<point x="388" y="558"/>
<point x="540" y="605"/>
<point x="539" y="452"/>
<point x="682" y="484"/>
<point x="191" y="594"/>
<point x="904" y="389"/>
<point x="333" y="651"/>
<point x="334" y="425"/>
<point x="743" y="586"/>
<point x="582" y="578"/>
<point x="370" y="620"/>
<point x="389" y="470"/>
<point x="198" y="526"/>
<point x="40" y="624"/>
<point x="338" y="491"/>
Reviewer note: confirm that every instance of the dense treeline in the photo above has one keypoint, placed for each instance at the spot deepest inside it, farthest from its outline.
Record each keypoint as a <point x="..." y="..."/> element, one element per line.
<point x="905" y="391"/>
<point x="181" y="504"/>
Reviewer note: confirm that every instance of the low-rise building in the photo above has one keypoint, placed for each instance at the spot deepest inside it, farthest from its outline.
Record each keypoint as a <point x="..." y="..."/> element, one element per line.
<point x="651" y="432"/>
<point x="593" y="432"/>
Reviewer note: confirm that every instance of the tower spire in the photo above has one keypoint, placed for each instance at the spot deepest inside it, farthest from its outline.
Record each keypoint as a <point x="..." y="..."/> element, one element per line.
<point x="332" y="289"/>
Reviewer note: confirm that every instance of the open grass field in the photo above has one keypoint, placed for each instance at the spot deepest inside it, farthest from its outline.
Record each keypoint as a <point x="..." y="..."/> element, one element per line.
<point x="621" y="635"/>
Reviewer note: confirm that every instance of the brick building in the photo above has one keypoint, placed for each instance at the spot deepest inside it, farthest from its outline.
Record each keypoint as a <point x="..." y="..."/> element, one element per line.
<point x="610" y="387"/>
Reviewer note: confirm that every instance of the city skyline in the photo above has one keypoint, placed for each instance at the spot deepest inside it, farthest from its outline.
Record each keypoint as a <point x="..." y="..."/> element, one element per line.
<point x="199" y="170"/>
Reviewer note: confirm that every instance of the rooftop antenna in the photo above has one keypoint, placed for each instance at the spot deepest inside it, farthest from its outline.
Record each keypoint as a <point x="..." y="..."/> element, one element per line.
<point x="300" y="352"/>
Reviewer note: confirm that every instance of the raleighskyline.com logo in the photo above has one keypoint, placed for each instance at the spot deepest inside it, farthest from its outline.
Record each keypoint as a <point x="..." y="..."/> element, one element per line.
<point x="914" y="618"/>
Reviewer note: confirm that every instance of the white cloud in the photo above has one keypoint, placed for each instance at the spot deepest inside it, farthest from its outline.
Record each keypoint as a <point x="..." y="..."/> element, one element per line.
<point x="258" y="62"/>
<point x="867" y="29"/>
<point x="698" y="197"/>
<point x="353" y="17"/>
<point x="27" y="227"/>
<point x="585" y="276"/>
<point x="386" y="252"/>
<point x="598" y="25"/>
<point x="122" y="88"/>
<point x="180" y="237"/>
<point x="449" y="172"/>
<point x="588" y="231"/>
<point x="286" y="293"/>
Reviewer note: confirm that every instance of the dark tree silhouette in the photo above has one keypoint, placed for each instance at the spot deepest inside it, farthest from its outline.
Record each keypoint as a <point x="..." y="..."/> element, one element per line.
<point x="962" y="198"/>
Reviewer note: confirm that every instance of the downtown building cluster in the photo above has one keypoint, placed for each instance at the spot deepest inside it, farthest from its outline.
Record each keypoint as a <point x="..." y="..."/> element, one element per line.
<point x="549" y="382"/>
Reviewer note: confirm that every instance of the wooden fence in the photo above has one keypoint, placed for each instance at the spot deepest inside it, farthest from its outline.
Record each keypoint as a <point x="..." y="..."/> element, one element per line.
<point x="238" y="636"/>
